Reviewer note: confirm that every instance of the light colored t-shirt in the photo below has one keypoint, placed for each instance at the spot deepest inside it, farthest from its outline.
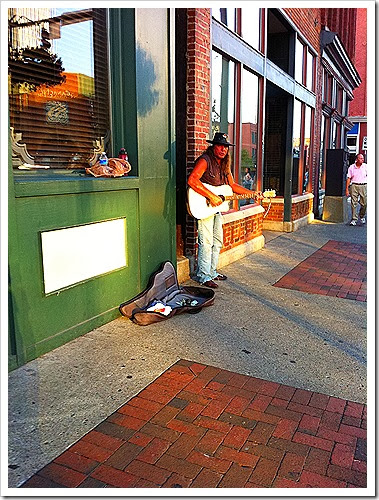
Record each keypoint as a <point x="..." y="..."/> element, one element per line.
<point x="357" y="175"/>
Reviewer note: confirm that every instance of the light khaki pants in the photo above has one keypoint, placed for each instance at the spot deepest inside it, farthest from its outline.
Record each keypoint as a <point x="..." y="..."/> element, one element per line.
<point x="358" y="195"/>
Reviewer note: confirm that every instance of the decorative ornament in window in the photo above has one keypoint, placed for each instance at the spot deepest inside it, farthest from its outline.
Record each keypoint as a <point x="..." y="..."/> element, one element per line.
<point x="57" y="112"/>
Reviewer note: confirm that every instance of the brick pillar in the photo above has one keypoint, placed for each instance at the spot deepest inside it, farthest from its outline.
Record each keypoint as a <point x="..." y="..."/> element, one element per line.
<point x="198" y="103"/>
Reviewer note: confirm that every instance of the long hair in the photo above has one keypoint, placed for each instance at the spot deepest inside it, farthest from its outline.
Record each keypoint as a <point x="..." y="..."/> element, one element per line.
<point x="225" y="162"/>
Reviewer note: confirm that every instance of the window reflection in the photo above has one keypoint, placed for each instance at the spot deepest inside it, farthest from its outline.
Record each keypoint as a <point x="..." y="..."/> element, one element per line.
<point x="296" y="144"/>
<point x="249" y="117"/>
<point x="307" y="147"/>
<point x="322" y="152"/>
<point x="223" y="96"/>
<point x="227" y="16"/>
<point x="58" y="85"/>
<point x="299" y="52"/>
<point x="321" y="176"/>
<point x="310" y="67"/>
<point x="250" y="19"/>
<point x="334" y="135"/>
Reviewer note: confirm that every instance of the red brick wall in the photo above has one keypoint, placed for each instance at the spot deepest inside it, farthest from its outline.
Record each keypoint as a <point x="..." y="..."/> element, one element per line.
<point x="298" y="210"/>
<point x="198" y="102"/>
<point x="343" y="22"/>
<point x="275" y="213"/>
<point x="358" y="106"/>
<point x="242" y="231"/>
<point x="301" y="209"/>
<point x="308" y="22"/>
<point x="198" y="82"/>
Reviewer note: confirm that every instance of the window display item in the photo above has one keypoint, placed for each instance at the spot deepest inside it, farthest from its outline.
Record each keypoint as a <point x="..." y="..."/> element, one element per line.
<point x="123" y="154"/>
<point x="103" y="158"/>
<point x="116" y="167"/>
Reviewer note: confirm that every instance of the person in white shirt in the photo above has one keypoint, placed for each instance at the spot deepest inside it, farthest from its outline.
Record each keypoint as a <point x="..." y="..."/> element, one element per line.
<point x="356" y="187"/>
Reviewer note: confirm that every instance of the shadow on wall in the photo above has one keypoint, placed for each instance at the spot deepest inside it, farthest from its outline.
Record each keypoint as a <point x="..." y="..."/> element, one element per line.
<point x="147" y="96"/>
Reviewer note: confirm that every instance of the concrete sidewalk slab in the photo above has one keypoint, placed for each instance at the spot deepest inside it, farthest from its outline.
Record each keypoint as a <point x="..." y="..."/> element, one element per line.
<point x="311" y="342"/>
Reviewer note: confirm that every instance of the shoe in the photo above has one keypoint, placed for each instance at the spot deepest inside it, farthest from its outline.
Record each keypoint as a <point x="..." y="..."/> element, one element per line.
<point x="353" y="223"/>
<point x="220" y="277"/>
<point x="210" y="284"/>
<point x="363" y="220"/>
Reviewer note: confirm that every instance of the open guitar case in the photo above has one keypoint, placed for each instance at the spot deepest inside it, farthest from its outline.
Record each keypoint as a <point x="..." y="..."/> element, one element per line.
<point x="163" y="287"/>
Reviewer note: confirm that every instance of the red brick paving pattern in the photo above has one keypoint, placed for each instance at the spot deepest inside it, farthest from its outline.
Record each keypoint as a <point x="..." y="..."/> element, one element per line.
<point x="199" y="426"/>
<point x="338" y="269"/>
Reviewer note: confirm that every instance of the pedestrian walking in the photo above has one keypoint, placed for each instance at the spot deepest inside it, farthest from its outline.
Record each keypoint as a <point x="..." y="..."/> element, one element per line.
<point x="356" y="187"/>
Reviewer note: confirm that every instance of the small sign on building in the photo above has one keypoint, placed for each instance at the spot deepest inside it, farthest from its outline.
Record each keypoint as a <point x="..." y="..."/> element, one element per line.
<point x="364" y="143"/>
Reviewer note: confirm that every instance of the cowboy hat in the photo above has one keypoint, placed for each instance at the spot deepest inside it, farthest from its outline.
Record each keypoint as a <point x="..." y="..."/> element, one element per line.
<point x="221" y="138"/>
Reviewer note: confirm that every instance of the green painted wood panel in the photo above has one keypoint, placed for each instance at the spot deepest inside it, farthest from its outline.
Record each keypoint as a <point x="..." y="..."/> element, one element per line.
<point x="142" y="75"/>
<point x="155" y="111"/>
<point x="44" y="322"/>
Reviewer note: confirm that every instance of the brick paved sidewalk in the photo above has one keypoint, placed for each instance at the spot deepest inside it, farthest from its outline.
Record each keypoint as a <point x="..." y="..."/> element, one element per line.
<point x="199" y="426"/>
<point x="338" y="269"/>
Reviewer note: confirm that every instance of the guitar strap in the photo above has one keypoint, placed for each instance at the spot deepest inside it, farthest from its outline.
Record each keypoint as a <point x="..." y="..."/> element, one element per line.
<point x="268" y="208"/>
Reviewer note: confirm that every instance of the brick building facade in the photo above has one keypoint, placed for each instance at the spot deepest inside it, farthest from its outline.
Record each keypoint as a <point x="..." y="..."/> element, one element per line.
<point x="317" y="86"/>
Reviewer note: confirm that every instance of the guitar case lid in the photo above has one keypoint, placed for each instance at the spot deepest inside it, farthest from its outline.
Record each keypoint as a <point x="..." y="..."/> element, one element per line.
<point x="163" y="289"/>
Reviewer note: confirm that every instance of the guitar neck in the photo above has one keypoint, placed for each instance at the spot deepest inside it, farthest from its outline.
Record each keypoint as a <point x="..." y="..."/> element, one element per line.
<point x="238" y="197"/>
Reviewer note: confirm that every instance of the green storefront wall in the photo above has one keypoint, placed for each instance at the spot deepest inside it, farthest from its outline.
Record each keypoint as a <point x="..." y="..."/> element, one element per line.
<point x="142" y="97"/>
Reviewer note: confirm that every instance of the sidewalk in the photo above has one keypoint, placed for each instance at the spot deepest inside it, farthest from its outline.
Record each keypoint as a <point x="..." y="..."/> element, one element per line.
<point x="310" y="341"/>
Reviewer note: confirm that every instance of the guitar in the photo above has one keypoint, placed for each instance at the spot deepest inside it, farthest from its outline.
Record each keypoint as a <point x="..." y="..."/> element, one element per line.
<point x="199" y="207"/>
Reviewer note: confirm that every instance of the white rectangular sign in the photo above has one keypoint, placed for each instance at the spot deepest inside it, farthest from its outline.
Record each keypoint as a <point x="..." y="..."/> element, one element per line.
<point x="74" y="254"/>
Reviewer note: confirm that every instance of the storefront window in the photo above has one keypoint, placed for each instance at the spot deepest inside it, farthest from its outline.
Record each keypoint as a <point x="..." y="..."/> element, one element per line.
<point x="251" y="25"/>
<point x="299" y="61"/>
<point x="327" y="87"/>
<point x="307" y="148"/>
<point x="344" y="103"/>
<point x="227" y="16"/>
<point x="334" y="92"/>
<point x="339" y="98"/>
<point x="334" y="135"/>
<point x="249" y="127"/>
<point x="296" y="145"/>
<point x="310" y="70"/>
<point x="222" y="95"/>
<point x="58" y="86"/>
<point x="322" y="151"/>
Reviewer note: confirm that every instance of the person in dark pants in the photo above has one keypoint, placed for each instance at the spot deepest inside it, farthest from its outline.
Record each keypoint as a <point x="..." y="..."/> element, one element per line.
<point x="356" y="186"/>
<point x="213" y="168"/>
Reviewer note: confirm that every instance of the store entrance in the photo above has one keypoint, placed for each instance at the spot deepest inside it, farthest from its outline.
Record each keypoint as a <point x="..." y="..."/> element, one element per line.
<point x="278" y="138"/>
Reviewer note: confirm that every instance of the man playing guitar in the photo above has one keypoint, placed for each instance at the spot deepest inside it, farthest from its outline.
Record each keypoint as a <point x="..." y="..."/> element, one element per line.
<point x="213" y="168"/>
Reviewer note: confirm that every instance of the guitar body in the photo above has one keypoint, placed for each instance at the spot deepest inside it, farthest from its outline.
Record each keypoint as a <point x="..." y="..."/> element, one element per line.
<point x="198" y="205"/>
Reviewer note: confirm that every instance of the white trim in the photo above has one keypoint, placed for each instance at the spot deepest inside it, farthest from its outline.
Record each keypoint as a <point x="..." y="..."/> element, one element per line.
<point x="296" y="198"/>
<point x="240" y="251"/>
<point x="358" y="119"/>
<point x="242" y="214"/>
<point x="288" y="227"/>
<point x="302" y="197"/>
